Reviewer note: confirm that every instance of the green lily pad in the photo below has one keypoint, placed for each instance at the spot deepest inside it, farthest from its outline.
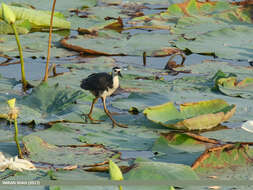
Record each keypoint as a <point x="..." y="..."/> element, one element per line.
<point x="140" y="101"/>
<point x="229" y="43"/>
<point x="22" y="26"/>
<point x="31" y="47"/>
<point x="91" y="24"/>
<point x="219" y="28"/>
<point x="160" y="171"/>
<point x="108" y="43"/>
<point x="192" y="116"/>
<point x="40" y="151"/>
<point x="64" y="6"/>
<point x="180" y="148"/>
<point x="28" y="175"/>
<point x="38" y="18"/>
<point x="51" y="104"/>
<point x="103" y="133"/>
<point x="230" y="135"/>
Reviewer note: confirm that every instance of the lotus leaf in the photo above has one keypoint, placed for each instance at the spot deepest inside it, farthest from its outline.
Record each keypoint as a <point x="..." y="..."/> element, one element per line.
<point x="219" y="28"/>
<point x="179" y="148"/>
<point x="52" y="103"/>
<point x="135" y="138"/>
<point x="23" y="27"/>
<point x="113" y="43"/>
<point x="192" y="116"/>
<point x="33" y="48"/>
<point x="63" y="6"/>
<point x="223" y="156"/>
<point x="91" y="24"/>
<point x="40" y="151"/>
<point x="38" y="18"/>
<point x="231" y="87"/>
<point x="229" y="43"/>
<point x="160" y="171"/>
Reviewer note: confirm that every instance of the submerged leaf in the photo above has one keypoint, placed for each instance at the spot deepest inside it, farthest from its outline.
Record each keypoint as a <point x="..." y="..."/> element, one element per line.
<point x="192" y="116"/>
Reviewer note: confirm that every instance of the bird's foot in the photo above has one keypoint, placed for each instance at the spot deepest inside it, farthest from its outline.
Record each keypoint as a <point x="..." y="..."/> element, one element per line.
<point x="95" y="121"/>
<point x="118" y="124"/>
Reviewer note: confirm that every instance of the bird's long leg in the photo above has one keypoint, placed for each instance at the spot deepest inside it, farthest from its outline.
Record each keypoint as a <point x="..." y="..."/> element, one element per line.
<point x="94" y="101"/>
<point x="109" y="115"/>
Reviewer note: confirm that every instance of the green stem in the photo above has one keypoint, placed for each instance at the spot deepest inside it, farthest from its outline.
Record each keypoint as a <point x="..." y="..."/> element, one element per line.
<point x="120" y="187"/>
<point x="24" y="82"/>
<point x="16" y="138"/>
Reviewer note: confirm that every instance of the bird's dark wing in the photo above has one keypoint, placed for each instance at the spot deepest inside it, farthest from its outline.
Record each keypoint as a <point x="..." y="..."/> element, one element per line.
<point x="97" y="82"/>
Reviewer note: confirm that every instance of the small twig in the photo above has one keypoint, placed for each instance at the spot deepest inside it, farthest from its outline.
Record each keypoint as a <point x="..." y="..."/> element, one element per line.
<point x="202" y="138"/>
<point x="144" y="58"/>
<point x="172" y="64"/>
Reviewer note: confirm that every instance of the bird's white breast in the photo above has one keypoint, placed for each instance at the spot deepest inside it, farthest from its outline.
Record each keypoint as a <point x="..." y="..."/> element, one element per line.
<point x="109" y="91"/>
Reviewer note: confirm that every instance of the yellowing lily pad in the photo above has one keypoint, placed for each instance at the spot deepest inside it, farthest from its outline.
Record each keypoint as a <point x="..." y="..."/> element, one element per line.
<point x="232" y="87"/>
<point x="192" y="116"/>
<point x="223" y="156"/>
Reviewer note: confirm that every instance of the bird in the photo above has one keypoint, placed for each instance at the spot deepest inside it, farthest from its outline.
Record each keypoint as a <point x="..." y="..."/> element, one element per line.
<point x="102" y="85"/>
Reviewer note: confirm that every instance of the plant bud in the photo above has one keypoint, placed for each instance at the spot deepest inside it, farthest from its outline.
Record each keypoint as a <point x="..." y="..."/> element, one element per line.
<point x="115" y="172"/>
<point x="7" y="14"/>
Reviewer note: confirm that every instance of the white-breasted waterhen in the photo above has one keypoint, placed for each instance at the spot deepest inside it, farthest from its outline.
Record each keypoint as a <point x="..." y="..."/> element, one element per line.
<point x="102" y="85"/>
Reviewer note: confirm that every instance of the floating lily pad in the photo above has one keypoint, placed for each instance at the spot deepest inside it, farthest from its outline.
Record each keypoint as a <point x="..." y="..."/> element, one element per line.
<point x="192" y="116"/>
<point x="160" y="171"/>
<point x="230" y="135"/>
<point x="232" y="87"/>
<point x="38" y="18"/>
<point x="140" y="101"/>
<point x="40" y="151"/>
<point x="219" y="28"/>
<point x="33" y="48"/>
<point x="224" y="156"/>
<point x="113" y="43"/>
<point x="23" y="27"/>
<point x="103" y="133"/>
<point x="90" y="24"/>
<point x="229" y="43"/>
<point x="180" y="148"/>
<point x="52" y="103"/>
<point x="65" y="5"/>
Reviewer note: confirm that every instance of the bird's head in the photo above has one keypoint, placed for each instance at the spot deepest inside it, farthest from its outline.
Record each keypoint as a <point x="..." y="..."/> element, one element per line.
<point x="116" y="71"/>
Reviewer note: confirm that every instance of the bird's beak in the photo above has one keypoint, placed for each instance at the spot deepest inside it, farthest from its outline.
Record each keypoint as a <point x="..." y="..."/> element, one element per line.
<point x="120" y="74"/>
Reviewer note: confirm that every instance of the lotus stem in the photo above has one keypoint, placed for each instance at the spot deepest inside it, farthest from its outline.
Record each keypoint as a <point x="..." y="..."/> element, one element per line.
<point x="16" y="139"/>
<point x="24" y="82"/>
<point x="49" y="42"/>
